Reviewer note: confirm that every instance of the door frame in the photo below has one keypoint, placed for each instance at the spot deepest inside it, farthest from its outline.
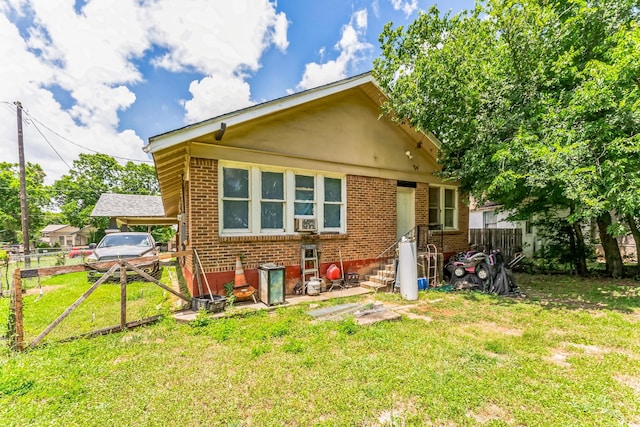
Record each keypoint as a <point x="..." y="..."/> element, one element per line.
<point x="405" y="200"/>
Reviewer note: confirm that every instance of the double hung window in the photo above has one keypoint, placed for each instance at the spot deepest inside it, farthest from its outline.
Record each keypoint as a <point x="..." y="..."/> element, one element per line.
<point x="235" y="196"/>
<point x="332" y="202"/>
<point x="265" y="200"/>
<point x="305" y="196"/>
<point x="272" y="201"/>
<point x="443" y="207"/>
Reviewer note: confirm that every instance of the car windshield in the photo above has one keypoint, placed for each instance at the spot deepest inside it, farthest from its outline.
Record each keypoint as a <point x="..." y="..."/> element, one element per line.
<point x="125" y="240"/>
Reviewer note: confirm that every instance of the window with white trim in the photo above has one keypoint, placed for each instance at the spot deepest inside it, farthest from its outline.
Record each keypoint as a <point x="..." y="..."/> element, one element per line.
<point x="443" y="207"/>
<point x="332" y="202"/>
<point x="305" y="196"/>
<point x="235" y="199"/>
<point x="267" y="200"/>
<point x="272" y="201"/>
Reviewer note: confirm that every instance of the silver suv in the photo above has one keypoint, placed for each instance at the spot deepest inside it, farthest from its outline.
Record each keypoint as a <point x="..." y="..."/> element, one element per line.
<point x="125" y="245"/>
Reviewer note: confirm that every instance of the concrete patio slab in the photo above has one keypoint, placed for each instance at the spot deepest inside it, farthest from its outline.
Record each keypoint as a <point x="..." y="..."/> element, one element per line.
<point x="189" y="315"/>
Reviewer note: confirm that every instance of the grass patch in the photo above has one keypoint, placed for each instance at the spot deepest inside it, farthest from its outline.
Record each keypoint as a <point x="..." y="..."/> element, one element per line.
<point x="101" y="309"/>
<point x="559" y="357"/>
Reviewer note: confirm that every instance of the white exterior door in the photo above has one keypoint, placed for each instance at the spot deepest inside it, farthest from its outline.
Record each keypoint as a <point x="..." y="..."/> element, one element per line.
<point x="406" y="210"/>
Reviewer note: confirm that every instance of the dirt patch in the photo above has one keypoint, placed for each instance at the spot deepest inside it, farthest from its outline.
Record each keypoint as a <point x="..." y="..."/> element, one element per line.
<point x="560" y="355"/>
<point x="411" y="315"/>
<point x="43" y="289"/>
<point x="556" y="331"/>
<point x="629" y="381"/>
<point x="591" y="350"/>
<point x="491" y="412"/>
<point x="120" y="359"/>
<point x="494" y="327"/>
<point x="442" y="312"/>
<point x="559" y="358"/>
<point x="397" y="415"/>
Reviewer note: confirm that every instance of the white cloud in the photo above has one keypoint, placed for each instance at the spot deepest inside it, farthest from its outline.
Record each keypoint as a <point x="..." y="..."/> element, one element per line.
<point x="360" y="19"/>
<point x="88" y="56"/>
<point x="408" y="7"/>
<point x="224" y="44"/>
<point x="375" y="6"/>
<point x="95" y="55"/>
<point x="215" y="37"/>
<point x="279" y="33"/>
<point x="95" y="47"/>
<point x="351" y="46"/>
<point x="215" y="95"/>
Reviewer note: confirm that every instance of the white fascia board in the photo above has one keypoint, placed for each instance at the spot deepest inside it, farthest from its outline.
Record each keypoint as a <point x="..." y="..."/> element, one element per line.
<point x="188" y="133"/>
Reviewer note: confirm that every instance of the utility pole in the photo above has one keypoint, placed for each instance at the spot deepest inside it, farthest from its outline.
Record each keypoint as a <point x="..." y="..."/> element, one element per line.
<point x="23" y="189"/>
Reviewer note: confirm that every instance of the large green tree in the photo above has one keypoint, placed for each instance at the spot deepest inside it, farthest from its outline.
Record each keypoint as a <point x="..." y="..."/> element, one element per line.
<point x="37" y="201"/>
<point x="138" y="178"/>
<point x="77" y="192"/>
<point x="535" y="102"/>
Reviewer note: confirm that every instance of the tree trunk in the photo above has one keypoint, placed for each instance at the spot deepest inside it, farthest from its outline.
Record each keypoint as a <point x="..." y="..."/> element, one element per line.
<point x="610" y="246"/>
<point x="581" y="252"/>
<point x="633" y="226"/>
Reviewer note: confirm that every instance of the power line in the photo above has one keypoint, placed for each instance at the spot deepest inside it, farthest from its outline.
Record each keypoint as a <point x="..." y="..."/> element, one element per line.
<point x="48" y="142"/>
<point x="8" y="106"/>
<point x="58" y="134"/>
<point x="80" y="145"/>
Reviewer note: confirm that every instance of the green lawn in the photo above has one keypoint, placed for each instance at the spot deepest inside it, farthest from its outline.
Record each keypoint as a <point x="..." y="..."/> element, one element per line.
<point x="568" y="354"/>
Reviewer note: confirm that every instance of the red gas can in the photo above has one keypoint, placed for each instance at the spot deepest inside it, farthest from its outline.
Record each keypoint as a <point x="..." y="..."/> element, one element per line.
<point x="333" y="272"/>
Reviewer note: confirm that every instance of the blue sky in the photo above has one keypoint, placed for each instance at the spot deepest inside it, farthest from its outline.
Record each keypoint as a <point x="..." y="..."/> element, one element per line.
<point x="104" y="76"/>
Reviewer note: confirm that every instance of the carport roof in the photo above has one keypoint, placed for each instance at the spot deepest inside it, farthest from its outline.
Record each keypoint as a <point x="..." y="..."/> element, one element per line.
<point x="132" y="209"/>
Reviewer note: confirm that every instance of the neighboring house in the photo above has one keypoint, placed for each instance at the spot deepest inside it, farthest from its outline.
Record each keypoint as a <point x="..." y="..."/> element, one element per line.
<point x="489" y="225"/>
<point x="317" y="167"/>
<point x="65" y="236"/>
<point x="491" y="217"/>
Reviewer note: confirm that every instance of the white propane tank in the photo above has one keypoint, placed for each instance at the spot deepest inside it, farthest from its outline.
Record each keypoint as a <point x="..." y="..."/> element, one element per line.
<point x="313" y="286"/>
<point x="407" y="271"/>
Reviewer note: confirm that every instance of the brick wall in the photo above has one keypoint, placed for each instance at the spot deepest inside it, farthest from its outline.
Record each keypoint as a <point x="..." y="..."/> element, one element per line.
<point x="422" y="203"/>
<point x="371" y="228"/>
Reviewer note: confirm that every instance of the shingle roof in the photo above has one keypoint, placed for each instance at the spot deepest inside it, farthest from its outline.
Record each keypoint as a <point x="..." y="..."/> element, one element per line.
<point x="52" y="227"/>
<point x="128" y="205"/>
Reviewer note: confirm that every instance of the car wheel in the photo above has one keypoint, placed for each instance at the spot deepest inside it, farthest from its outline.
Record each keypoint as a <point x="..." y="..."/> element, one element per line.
<point x="157" y="273"/>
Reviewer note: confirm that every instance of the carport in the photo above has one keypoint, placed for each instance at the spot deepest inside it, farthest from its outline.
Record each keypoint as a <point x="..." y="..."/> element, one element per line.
<point x="124" y="210"/>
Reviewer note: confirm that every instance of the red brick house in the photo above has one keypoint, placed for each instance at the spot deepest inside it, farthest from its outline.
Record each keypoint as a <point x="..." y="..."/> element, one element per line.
<point x="250" y="182"/>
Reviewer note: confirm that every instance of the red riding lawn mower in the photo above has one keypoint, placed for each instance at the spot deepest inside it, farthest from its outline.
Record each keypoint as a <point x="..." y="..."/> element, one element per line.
<point x="481" y="271"/>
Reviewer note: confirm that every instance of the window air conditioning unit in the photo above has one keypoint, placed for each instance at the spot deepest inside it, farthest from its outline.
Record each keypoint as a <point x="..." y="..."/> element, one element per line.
<point x="306" y="224"/>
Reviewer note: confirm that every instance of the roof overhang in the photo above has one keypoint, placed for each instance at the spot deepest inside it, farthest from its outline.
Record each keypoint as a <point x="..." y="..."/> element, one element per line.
<point x="147" y="220"/>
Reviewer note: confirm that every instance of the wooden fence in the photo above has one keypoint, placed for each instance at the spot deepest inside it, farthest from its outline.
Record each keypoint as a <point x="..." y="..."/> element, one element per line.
<point x="16" y="330"/>
<point x="507" y="240"/>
